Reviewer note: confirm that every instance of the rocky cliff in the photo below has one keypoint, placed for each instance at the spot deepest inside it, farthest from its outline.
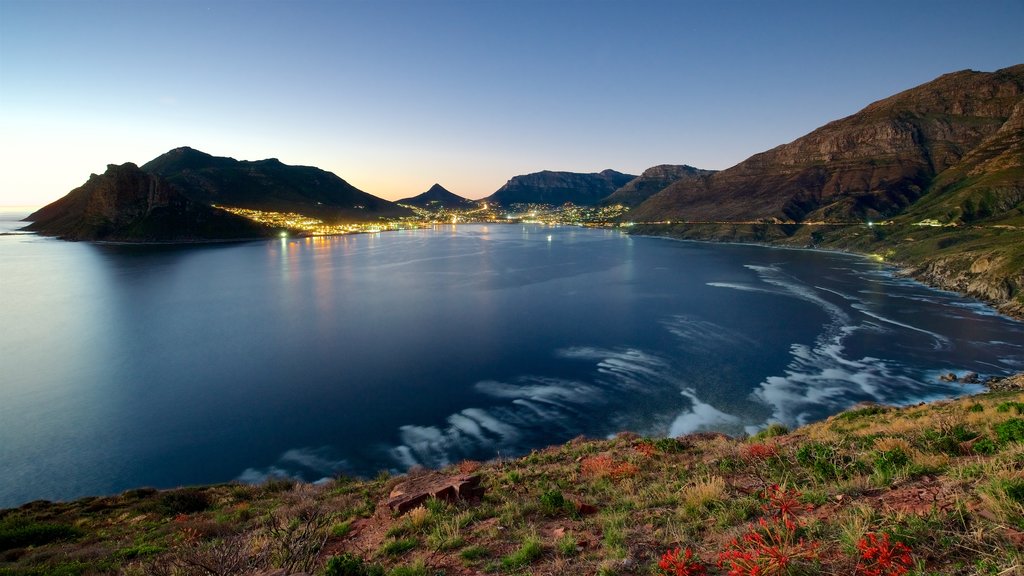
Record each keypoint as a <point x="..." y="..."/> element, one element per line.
<point x="127" y="204"/>
<point x="652" y="181"/>
<point x="873" y="164"/>
<point x="559" y="187"/>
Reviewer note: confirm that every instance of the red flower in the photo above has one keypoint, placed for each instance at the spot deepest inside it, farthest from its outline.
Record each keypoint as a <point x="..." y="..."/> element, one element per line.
<point x="676" y="563"/>
<point x="782" y="504"/>
<point x="880" y="557"/>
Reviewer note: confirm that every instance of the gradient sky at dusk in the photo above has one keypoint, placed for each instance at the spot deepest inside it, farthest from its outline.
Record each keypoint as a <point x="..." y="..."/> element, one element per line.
<point x="396" y="95"/>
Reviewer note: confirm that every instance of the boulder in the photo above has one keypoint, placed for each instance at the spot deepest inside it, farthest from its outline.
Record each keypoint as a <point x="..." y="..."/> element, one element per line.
<point x="416" y="491"/>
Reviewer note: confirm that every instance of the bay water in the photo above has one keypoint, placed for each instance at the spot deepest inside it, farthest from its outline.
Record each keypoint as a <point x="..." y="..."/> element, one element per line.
<point x="124" y="366"/>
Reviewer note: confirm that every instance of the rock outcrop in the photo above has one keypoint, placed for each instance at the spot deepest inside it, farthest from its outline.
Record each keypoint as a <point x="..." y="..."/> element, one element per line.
<point x="127" y="204"/>
<point x="559" y="187"/>
<point x="419" y="489"/>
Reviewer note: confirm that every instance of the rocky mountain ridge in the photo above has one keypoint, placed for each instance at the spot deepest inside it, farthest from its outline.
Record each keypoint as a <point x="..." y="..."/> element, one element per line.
<point x="557" y="188"/>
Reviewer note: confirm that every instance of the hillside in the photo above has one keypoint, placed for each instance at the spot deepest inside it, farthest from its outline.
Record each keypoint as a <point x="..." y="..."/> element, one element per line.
<point x="940" y="484"/>
<point x="652" y="181"/>
<point x="871" y="165"/>
<point x="269" y="185"/>
<point x="437" y="197"/>
<point x="559" y="187"/>
<point x="128" y="204"/>
<point x="931" y="180"/>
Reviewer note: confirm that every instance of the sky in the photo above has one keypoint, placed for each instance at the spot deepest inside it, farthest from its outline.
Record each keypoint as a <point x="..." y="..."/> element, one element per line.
<point x="394" y="96"/>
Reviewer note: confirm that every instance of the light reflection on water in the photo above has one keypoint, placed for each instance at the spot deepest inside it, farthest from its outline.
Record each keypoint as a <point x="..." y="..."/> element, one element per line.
<point x="126" y="365"/>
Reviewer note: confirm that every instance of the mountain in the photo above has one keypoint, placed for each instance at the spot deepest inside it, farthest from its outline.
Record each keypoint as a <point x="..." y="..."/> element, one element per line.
<point x="873" y="164"/>
<point x="127" y="204"/>
<point x="652" y="181"/>
<point x="269" y="185"/>
<point x="559" y="187"/>
<point x="437" y="197"/>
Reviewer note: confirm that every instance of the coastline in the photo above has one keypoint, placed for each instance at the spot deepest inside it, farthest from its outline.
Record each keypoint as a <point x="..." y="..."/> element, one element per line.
<point x="927" y="272"/>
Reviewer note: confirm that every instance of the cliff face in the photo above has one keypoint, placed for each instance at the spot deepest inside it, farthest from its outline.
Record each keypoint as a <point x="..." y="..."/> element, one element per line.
<point x="559" y="187"/>
<point x="652" y="181"/>
<point x="872" y="164"/>
<point x="437" y="197"/>
<point x="127" y="204"/>
<point x="269" y="185"/>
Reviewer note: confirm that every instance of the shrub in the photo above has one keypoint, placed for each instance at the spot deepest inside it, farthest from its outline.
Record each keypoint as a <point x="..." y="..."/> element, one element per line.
<point x="880" y="557"/>
<point x="19" y="532"/>
<point x="1010" y="431"/>
<point x="553" y="503"/>
<point x="888" y="462"/>
<point x="184" y="501"/>
<point x="774" y="429"/>
<point x="1017" y="407"/>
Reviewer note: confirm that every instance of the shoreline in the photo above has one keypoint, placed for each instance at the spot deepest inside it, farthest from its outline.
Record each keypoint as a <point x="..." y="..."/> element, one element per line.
<point x="993" y="385"/>
<point x="916" y="272"/>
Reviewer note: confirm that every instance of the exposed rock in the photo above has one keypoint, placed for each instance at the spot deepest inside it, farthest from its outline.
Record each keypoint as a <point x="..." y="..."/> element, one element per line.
<point x="416" y="491"/>
<point x="1015" y="382"/>
<point x="559" y="187"/>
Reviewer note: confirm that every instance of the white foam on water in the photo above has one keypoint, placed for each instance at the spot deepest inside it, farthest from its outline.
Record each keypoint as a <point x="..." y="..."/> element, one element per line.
<point x="697" y="334"/>
<point x="700" y="416"/>
<point x="941" y="342"/>
<point x="739" y="286"/>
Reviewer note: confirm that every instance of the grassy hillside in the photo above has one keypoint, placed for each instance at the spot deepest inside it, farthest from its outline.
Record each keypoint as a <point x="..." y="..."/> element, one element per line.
<point x="940" y="486"/>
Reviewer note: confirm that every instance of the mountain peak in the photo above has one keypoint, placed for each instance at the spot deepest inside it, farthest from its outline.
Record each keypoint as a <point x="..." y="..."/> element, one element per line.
<point x="436" y="197"/>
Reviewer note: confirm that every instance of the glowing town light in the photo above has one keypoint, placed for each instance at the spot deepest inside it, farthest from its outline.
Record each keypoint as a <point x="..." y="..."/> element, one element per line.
<point x="283" y="234"/>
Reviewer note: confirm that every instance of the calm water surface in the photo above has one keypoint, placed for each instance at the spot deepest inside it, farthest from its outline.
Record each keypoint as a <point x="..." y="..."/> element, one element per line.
<point x="126" y="366"/>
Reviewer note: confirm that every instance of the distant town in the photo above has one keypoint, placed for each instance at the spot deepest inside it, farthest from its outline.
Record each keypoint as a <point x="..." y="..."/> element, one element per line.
<point x="480" y="212"/>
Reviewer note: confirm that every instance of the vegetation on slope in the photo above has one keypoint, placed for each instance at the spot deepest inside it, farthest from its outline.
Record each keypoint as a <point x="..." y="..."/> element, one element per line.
<point x="939" y="487"/>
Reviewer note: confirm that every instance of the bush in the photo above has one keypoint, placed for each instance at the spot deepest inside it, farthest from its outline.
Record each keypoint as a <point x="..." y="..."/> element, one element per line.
<point x="183" y="501"/>
<point x="1010" y="431"/>
<point x="19" y="533"/>
<point x="552" y="503"/>
<point x="773" y="430"/>
<point x="889" y="462"/>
